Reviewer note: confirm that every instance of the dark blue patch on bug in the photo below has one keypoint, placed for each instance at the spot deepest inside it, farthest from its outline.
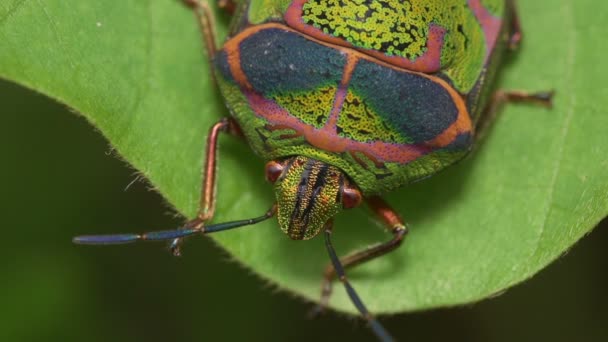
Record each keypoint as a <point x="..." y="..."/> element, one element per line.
<point x="462" y="142"/>
<point x="221" y="63"/>
<point x="278" y="61"/>
<point x="414" y="105"/>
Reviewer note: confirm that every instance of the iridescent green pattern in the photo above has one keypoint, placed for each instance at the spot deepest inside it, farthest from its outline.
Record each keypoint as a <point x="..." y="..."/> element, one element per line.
<point x="385" y="25"/>
<point x="359" y="122"/>
<point x="401" y="28"/>
<point x="260" y="11"/>
<point x="308" y="194"/>
<point x="311" y="107"/>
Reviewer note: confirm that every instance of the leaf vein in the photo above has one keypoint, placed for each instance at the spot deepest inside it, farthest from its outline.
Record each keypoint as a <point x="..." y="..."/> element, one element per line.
<point x="11" y="11"/>
<point x="565" y="130"/>
<point x="60" y="41"/>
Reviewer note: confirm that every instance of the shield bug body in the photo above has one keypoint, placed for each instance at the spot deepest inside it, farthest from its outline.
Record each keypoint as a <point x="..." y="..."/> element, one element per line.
<point x="346" y="100"/>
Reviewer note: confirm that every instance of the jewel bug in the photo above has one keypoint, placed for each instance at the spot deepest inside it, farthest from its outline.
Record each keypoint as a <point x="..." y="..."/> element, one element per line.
<point x="346" y="100"/>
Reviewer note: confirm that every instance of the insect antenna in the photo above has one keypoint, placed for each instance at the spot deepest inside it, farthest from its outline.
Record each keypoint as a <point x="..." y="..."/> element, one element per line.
<point x="192" y="228"/>
<point x="380" y="332"/>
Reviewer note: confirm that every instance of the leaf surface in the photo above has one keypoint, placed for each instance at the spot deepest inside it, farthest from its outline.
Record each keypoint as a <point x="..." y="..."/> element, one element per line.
<point x="136" y="70"/>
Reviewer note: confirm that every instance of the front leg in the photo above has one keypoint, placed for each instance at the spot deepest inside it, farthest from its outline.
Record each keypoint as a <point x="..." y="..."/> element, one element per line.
<point x="391" y="219"/>
<point x="208" y="186"/>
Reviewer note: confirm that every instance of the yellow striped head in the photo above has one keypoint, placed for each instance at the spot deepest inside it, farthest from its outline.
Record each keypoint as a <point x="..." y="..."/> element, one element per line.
<point x="309" y="194"/>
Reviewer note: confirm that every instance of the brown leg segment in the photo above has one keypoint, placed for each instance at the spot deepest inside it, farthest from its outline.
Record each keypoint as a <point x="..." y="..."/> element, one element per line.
<point x="207" y="202"/>
<point x="206" y="21"/>
<point x="515" y="38"/>
<point x="227" y="5"/>
<point x="500" y="97"/>
<point x="392" y="220"/>
<point x="207" y="199"/>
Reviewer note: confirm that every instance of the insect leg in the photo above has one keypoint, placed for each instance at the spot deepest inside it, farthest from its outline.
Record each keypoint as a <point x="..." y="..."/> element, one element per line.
<point x="500" y="97"/>
<point x="376" y="327"/>
<point x="392" y="220"/>
<point x="206" y="21"/>
<point x="515" y="37"/>
<point x="206" y="206"/>
<point x="207" y="197"/>
<point x="227" y="5"/>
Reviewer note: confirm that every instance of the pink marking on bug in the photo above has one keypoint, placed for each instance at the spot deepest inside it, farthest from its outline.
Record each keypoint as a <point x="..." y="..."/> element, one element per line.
<point x="326" y="138"/>
<point x="330" y="126"/>
<point x="490" y="24"/>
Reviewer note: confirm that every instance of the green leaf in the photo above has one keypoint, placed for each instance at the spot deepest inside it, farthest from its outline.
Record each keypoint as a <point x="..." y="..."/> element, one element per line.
<point x="136" y="70"/>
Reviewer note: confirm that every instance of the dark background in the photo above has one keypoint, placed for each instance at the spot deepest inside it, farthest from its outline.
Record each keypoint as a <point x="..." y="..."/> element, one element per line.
<point x="59" y="179"/>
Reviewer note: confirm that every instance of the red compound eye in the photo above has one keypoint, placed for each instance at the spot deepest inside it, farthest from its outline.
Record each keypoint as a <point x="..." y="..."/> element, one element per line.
<point x="351" y="197"/>
<point x="273" y="171"/>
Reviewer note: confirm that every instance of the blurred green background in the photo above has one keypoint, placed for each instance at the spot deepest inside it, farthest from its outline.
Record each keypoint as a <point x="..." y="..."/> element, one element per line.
<point x="60" y="179"/>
